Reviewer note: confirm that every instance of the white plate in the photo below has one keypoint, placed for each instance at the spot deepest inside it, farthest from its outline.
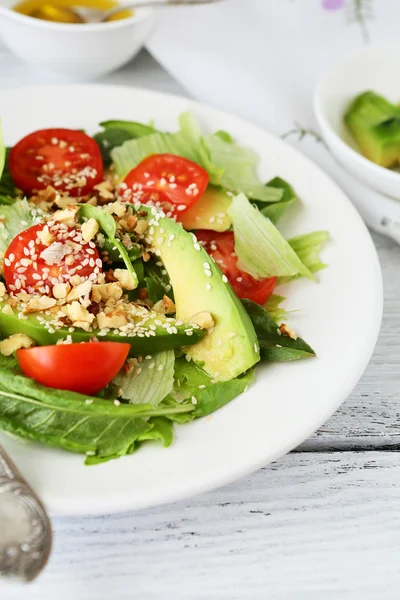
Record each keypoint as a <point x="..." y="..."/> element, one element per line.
<point x="340" y="318"/>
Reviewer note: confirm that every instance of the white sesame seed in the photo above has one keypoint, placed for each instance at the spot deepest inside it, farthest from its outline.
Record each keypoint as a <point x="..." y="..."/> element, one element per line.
<point x="160" y="367"/>
<point x="239" y="279"/>
<point x="151" y="366"/>
<point x="88" y="401"/>
<point x="224" y="279"/>
<point x="188" y="358"/>
<point x="181" y="207"/>
<point x="197" y="246"/>
<point x="255" y="348"/>
<point x="208" y="287"/>
<point x="208" y="273"/>
<point x="194" y="400"/>
<point x="117" y="402"/>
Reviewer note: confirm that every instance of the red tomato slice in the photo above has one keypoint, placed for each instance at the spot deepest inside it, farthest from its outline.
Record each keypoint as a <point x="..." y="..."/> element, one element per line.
<point x="32" y="266"/>
<point x="166" y="180"/>
<point x="66" y="159"/>
<point x="83" y="368"/>
<point x="221" y="246"/>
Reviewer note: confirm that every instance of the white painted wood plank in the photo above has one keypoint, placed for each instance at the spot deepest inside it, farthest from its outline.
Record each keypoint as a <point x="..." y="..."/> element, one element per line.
<point x="311" y="526"/>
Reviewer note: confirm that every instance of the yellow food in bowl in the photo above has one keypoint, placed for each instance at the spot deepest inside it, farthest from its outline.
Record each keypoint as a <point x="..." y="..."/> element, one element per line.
<point x="61" y="11"/>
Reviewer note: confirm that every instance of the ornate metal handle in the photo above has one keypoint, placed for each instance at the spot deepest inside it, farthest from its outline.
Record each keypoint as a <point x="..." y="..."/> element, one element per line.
<point x="25" y="530"/>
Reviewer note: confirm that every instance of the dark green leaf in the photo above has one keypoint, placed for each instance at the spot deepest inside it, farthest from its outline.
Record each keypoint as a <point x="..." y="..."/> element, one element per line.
<point x="275" y="210"/>
<point x="7" y="185"/>
<point x="65" y="420"/>
<point x="275" y="346"/>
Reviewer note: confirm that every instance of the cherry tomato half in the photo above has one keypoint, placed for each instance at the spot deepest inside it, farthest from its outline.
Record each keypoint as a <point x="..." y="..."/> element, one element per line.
<point x="33" y="266"/>
<point x="84" y="368"/>
<point x="221" y="246"/>
<point x="66" y="159"/>
<point x="166" y="179"/>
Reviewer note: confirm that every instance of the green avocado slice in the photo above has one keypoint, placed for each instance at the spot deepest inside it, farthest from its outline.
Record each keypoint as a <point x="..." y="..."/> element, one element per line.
<point x="375" y="125"/>
<point x="230" y="348"/>
<point x="142" y="343"/>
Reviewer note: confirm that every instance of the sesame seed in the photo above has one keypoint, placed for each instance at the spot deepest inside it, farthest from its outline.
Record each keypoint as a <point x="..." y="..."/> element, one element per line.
<point x="117" y="402"/>
<point x="208" y="287"/>
<point x="188" y="358"/>
<point x="224" y="279"/>
<point x="255" y="348"/>
<point x="239" y="279"/>
<point x="88" y="401"/>
<point x="194" y="400"/>
<point x="151" y="366"/>
<point x="171" y="237"/>
<point x="202" y="387"/>
<point x="208" y="273"/>
<point x="197" y="246"/>
<point x="160" y="367"/>
<point x="181" y="207"/>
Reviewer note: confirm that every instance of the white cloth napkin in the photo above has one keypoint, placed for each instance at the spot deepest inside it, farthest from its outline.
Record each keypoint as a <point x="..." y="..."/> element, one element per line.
<point x="261" y="60"/>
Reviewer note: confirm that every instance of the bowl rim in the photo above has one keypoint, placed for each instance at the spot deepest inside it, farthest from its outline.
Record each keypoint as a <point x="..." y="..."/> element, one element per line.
<point x="319" y="108"/>
<point x="141" y="14"/>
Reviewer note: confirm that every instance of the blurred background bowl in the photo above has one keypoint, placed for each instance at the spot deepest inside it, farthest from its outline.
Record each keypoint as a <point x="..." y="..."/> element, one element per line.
<point x="76" y="51"/>
<point x="375" y="69"/>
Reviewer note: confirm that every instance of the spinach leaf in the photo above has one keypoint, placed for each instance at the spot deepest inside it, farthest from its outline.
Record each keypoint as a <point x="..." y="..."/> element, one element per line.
<point x="8" y="190"/>
<point x="108" y="226"/>
<point x="275" y="210"/>
<point x="74" y="422"/>
<point x="116" y="133"/>
<point x="275" y="346"/>
<point x="193" y="384"/>
<point x="157" y="283"/>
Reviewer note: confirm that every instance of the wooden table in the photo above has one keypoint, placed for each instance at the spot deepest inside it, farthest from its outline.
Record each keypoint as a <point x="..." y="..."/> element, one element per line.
<point x="323" y="522"/>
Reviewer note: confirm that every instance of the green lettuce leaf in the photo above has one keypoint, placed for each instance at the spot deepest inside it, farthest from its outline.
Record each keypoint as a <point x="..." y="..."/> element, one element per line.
<point x="108" y="226"/>
<point x="274" y="345"/>
<point x="151" y="382"/>
<point x="99" y="428"/>
<point x="14" y="219"/>
<point x="228" y="164"/>
<point x="274" y="308"/>
<point x="261" y="249"/>
<point x="308" y="248"/>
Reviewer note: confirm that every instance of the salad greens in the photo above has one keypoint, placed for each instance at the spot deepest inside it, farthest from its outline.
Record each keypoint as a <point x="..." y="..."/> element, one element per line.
<point x="261" y="249"/>
<point x="184" y="313"/>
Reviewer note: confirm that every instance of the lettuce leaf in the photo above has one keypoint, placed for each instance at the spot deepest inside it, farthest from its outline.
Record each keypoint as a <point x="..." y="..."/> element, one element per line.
<point x="261" y="249"/>
<point x="149" y="383"/>
<point x="308" y="248"/>
<point x="229" y="165"/>
<point x="274" y="308"/>
<point x="15" y="218"/>
<point x="275" y="345"/>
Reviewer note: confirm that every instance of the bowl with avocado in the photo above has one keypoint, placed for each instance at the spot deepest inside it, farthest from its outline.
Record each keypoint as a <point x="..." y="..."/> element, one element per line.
<point x="357" y="108"/>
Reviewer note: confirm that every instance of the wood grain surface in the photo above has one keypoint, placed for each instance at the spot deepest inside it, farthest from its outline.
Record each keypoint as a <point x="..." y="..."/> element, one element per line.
<point x="323" y="522"/>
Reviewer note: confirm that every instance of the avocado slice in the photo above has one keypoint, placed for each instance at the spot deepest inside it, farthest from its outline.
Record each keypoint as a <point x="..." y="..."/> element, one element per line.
<point x="140" y="344"/>
<point x="375" y="125"/>
<point x="231" y="347"/>
<point x="210" y="212"/>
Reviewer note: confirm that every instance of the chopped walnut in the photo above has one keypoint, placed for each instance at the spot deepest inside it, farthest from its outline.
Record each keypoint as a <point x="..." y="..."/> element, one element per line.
<point x="129" y="223"/>
<point x="203" y="319"/>
<point x="61" y="290"/>
<point x="89" y="229"/>
<point x="146" y="257"/>
<point x="15" y="342"/>
<point x="159" y="307"/>
<point x="39" y="304"/>
<point x="169" y="306"/>
<point x="64" y="201"/>
<point x="115" y="208"/>
<point x="285" y="330"/>
<point x="125" y="279"/>
<point x="111" y="320"/>
<point x="45" y="236"/>
<point x="106" y="291"/>
<point x="66" y="216"/>
<point x="81" y="292"/>
<point x="76" y="312"/>
<point x="141" y="227"/>
<point x="105" y="190"/>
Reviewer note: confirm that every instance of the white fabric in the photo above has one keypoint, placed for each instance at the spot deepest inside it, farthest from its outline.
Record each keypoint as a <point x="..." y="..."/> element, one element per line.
<point x="261" y="60"/>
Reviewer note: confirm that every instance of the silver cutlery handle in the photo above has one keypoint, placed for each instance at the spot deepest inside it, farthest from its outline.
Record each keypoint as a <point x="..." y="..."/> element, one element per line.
<point x="25" y="531"/>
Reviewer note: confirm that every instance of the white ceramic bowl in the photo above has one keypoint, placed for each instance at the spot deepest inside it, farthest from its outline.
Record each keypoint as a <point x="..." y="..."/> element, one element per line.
<point x="375" y="69"/>
<point x="76" y="51"/>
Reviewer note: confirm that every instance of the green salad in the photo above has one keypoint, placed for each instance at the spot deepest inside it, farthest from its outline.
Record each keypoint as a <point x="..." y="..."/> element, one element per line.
<point x="139" y="278"/>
